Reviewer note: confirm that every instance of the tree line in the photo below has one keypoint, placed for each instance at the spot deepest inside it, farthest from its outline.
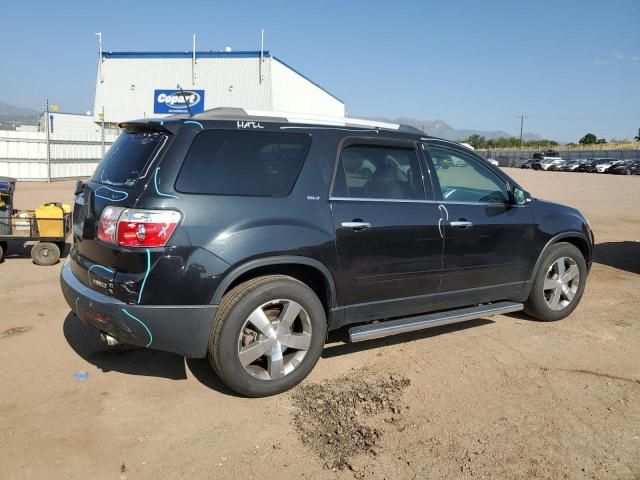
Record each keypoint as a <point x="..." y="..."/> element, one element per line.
<point x="480" y="142"/>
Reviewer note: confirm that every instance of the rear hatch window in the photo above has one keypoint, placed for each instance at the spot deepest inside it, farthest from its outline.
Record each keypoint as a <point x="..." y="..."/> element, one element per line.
<point x="225" y="162"/>
<point x="129" y="158"/>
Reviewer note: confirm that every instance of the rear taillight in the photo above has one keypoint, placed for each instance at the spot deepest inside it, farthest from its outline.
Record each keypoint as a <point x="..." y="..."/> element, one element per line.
<point x="146" y="228"/>
<point x="137" y="228"/>
<point x="108" y="224"/>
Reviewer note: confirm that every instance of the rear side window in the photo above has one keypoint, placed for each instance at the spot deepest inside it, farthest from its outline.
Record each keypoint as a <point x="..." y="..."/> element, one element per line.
<point x="380" y="172"/>
<point x="129" y="158"/>
<point x="226" y="162"/>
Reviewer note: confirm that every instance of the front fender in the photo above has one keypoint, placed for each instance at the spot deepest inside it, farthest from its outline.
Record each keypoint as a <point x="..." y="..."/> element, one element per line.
<point x="556" y="223"/>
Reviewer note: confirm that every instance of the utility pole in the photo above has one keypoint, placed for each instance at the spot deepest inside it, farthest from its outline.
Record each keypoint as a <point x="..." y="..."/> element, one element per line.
<point x="522" y="117"/>
<point x="193" y="62"/>
<point x="260" y="76"/>
<point x="47" y="120"/>
<point x="99" y="35"/>
<point x="102" y="130"/>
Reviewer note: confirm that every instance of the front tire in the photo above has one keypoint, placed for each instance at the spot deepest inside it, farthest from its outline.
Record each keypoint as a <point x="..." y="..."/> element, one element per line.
<point x="267" y="336"/>
<point x="559" y="283"/>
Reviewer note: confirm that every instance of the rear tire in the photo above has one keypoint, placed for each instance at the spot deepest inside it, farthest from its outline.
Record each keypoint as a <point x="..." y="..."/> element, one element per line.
<point x="1" y="252"/>
<point x="267" y="336"/>
<point x="45" y="254"/>
<point x="559" y="283"/>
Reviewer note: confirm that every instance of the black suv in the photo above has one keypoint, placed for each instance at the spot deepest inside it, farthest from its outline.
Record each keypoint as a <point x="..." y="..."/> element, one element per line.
<point x="247" y="237"/>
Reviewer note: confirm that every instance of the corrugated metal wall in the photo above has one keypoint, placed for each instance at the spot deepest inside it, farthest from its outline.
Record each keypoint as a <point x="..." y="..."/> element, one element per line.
<point x="69" y="122"/>
<point x="291" y="92"/>
<point x="23" y="155"/>
<point x="128" y="84"/>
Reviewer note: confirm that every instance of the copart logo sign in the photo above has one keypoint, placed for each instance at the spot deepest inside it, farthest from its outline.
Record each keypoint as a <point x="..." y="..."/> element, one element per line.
<point x="172" y="101"/>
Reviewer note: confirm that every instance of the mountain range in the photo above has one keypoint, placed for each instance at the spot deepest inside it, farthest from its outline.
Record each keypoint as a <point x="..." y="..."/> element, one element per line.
<point x="438" y="128"/>
<point x="10" y="114"/>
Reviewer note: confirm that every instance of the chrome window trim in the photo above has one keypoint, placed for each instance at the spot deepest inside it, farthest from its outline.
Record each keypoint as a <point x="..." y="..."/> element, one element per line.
<point x="379" y="200"/>
<point x="398" y="200"/>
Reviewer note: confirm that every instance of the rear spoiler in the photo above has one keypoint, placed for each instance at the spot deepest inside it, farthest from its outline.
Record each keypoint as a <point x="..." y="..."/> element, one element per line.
<point x="171" y="127"/>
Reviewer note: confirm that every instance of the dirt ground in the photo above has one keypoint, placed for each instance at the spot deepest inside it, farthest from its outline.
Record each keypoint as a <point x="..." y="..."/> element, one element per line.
<point x="505" y="397"/>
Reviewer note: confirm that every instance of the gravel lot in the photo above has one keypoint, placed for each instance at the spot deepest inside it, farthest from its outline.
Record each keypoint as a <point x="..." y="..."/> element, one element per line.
<point x="505" y="397"/>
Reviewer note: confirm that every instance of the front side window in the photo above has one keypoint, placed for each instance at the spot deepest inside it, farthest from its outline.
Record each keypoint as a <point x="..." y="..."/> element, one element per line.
<point x="380" y="172"/>
<point x="227" y="162"/>
<point x="464" y="179"/>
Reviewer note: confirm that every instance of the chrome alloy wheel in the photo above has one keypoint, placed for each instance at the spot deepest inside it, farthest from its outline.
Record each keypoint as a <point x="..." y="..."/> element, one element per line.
<point x="561" y="283"/>
<point x="274" y="339"/>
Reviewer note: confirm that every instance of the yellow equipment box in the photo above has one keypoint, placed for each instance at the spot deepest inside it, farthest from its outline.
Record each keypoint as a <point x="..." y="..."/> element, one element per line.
<point x="50" y="219"/>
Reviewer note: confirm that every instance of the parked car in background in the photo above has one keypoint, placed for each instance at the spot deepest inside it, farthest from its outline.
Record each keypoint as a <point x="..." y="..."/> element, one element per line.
<point x="493" y="162"/>
<point x="528" y="164"/>
<point x="545" y="164"/>
<point x="603" y="164"/>
<point x="543" y="160"/>
<point x="570" y="166"/>
<point x="557" y="165"/>
<point x="247" y="237"/>
<point x="587" y="165"/>
<point x="627" y="168"/>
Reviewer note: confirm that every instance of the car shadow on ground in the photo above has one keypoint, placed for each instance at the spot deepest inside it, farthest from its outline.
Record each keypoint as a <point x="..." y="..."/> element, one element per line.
<point x="337" y="343"/>
<point x="86" y="342"/>
<point x="622" y="255"/>
<point x="132" y="360"/>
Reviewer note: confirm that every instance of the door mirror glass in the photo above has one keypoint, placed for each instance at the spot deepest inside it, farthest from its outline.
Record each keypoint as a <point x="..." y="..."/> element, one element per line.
<point x="520" y="197"/>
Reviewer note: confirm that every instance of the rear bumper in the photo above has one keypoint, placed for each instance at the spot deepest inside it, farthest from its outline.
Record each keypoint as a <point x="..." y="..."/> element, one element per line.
<point x="181" y="329"/>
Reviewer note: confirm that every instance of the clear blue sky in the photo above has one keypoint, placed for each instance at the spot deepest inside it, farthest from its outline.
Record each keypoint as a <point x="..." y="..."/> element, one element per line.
<point x="571" y="66"/>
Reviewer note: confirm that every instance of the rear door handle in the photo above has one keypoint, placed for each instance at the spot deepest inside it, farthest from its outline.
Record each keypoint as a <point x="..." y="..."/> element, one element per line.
<point x="462" y="224"/>
<point x="355" y="225"/>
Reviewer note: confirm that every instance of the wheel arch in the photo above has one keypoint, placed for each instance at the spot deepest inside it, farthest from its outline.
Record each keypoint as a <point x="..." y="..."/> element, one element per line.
<point x="308" y="270"/>
<point x="577" y="239"/>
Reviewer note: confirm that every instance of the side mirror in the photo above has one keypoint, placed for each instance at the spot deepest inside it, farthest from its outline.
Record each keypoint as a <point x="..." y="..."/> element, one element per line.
<point x="520" y="197"/>
<point x="79" y="187"/>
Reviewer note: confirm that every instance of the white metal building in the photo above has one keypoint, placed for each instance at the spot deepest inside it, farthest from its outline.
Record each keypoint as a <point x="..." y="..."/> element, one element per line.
<point x="68" y="123"/>
<point x="134" y="85"/>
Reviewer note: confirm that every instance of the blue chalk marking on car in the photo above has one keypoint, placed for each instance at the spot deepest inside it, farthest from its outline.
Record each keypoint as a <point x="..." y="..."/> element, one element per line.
<point x="124" y="195"/>
<point x="144" y="280"/>
<point x="155" y="184"/>
<point x="101" y="268"/>
<point x="133" y="317"/>
<point x="194" y="123"/>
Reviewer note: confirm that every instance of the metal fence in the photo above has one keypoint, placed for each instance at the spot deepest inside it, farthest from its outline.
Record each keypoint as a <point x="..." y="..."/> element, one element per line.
<point x="515" y="158"/>
<point x="37" y="156"/>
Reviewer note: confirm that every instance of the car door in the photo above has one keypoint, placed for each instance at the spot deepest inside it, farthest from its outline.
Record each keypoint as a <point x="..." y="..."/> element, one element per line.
<point x="386" y="226"/>
<point x="488" y="241"/>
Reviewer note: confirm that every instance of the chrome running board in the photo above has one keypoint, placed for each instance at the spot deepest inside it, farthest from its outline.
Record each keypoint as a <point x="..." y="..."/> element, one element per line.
<point x="421" y="322"/>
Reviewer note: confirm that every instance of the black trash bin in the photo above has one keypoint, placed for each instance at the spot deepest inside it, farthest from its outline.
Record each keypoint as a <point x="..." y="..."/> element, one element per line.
<point x="7" y="187"/>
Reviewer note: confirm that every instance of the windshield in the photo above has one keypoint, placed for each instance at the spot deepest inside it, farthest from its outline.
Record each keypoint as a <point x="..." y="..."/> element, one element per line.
<point x="129" y="158"/>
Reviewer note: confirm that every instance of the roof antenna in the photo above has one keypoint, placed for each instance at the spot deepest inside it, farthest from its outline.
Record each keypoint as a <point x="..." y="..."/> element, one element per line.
<point x="185" y="100"/>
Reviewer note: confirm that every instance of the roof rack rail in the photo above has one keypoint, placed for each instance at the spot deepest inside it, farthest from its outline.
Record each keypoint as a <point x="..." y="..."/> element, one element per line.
<point x="226" y="113"/>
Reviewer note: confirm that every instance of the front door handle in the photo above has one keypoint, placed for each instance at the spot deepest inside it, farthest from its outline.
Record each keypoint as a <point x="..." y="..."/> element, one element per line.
<point x="355" y="225"/>
<point x="462" y="224"/>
